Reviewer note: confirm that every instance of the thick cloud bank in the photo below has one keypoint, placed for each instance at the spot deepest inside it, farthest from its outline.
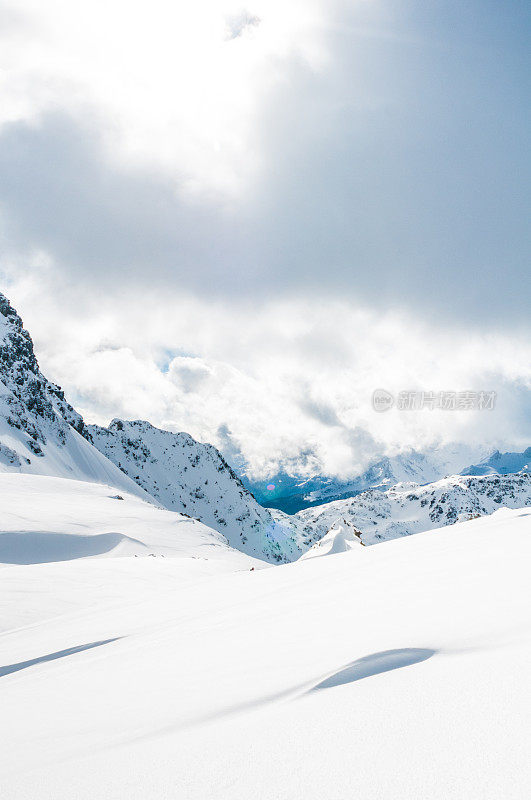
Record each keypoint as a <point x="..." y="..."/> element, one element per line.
<point x="241" y="220"/>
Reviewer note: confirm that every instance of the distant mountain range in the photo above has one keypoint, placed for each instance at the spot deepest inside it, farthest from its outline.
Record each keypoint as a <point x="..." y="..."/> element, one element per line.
<point x="292" y="494"/>
<point x="501" y="464"/>
<point x="408" y="508"/>
<point x="42" y="434"/>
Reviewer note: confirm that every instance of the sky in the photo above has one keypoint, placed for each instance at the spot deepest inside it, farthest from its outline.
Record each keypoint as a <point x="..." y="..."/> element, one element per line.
<point x="240" y="220"/>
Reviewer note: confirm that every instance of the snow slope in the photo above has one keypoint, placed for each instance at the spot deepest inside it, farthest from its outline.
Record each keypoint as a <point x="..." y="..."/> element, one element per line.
<point x="57" y="508"/>
<point x="191" y="477"/>
<point x="40" y="432"/>
<point x="46" y="519"/>
<point x="409" y="508"/>
<point x="393" y="672"/>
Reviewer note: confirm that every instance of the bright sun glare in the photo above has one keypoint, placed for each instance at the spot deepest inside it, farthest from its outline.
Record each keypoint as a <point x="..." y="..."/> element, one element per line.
<point x="176" y="86"/>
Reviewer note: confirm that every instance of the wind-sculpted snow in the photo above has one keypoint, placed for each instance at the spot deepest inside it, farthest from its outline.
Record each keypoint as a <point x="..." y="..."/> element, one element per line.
<point x="194" y="478"/>
<point x="46" y="519"/>
<point x="409" y="508"/>
<point x="341" y="538"/>
<point x="397" y="672"/>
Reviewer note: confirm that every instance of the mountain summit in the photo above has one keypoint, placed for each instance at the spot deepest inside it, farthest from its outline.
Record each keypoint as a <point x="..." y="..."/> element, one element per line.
<point x="40" y="432"/>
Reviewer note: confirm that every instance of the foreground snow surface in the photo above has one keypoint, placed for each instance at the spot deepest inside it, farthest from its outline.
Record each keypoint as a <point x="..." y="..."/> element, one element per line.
<point x="394" y="671"/>
<point x="45" y="519"/>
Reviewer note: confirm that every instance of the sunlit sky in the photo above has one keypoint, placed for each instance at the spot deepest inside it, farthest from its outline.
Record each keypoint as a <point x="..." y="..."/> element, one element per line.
<point x="240" y="219"/>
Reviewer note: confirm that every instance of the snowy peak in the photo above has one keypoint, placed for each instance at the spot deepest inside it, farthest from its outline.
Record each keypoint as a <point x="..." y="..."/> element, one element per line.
<point x="194" y="479"/>
<point x="40" y="432"/>
<point x="27" y="392"/>
<point x="501" y="464"/>
<point x="341" y="538"/>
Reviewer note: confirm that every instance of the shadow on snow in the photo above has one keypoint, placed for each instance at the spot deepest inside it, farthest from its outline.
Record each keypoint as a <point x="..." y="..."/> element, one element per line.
<point x="8" y="669"/>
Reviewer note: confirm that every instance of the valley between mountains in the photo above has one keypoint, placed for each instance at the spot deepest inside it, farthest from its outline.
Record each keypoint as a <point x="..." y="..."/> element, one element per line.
<point x="165" y="635"/>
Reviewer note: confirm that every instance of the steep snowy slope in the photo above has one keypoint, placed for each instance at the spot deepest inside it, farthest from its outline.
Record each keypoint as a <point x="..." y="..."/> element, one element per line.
<point x="40" y="432"/>
<point x="409" y="508"/>
<point x="397" y="672"/>
<point x="185" y="475"/>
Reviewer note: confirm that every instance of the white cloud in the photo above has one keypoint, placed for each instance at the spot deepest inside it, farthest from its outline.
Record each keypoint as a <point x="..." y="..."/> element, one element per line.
<point x="243" y="235"/>
<point x="240" y="24"/>
<point x="161" y="81"/>
<point x="191" y="375"/>
<point x="282" y="383"/>
<point x="329" y="147"/>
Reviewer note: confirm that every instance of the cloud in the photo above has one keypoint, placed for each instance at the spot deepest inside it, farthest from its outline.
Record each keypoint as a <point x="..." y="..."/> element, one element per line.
<point x="244" y="237"/>
<point x="238" y="24"/>
<point x="314" y="158"/>
<point x="189" y="374"/>
<point x="259" y="388"/>
<point x="306" y="229"/>
<point x="166" y="88"/>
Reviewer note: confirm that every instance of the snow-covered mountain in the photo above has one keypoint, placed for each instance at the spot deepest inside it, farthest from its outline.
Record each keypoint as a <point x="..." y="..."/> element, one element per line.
<point x="409" y="508"/>
<point x="144" y="657"/>
<point x="194" y="478"/>
<point x="40" y="432"/>
<point x="501" y="464"/>
<point x="292" y="494"/>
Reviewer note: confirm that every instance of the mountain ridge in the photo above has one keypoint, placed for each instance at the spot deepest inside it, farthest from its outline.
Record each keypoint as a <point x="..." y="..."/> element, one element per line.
<point x="194" y="478"/>
<point x="292" y="494"/>
<point x="410" y="508"/>
<point x="41" y="433"/>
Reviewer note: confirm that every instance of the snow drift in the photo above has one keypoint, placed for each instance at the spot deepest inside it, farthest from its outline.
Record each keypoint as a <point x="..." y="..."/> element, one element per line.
<point x="397" y="671"/>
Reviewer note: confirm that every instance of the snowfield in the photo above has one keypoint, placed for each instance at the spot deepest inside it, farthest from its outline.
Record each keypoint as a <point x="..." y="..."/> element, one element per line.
<point x="149" y="655"/>
<point x="75" y="512"/>
<point x="394" y="671"/>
